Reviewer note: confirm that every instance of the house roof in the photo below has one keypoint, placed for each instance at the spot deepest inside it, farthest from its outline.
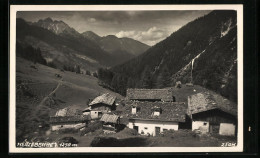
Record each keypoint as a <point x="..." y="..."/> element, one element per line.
<point x="144" y="94"/>
<point x="69" y="119"/>
<point x="68" y="112"/>
<point x="109" y="118"/>
<point x="87" y="109"/>
<point x="205" y="101"/>
<point x="105" y="99"/>
<point x="170" y="111"/>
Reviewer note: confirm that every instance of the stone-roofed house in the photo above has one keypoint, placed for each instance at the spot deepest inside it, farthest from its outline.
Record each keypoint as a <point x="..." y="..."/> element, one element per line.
<point x="212" y="113"/>
<point x="152" y="118"/>
<point x="102" y="104"/>
<point x="68" y="118"/>
<point x="150" y="95"/>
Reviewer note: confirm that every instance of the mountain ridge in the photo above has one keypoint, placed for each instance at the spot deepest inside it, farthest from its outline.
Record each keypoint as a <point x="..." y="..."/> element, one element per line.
<point x="112" y="44"/>
<point x="61" y="43"/>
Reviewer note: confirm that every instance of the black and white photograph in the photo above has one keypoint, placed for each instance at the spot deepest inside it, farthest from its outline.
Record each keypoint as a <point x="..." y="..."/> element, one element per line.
<point x="88" y="78"/>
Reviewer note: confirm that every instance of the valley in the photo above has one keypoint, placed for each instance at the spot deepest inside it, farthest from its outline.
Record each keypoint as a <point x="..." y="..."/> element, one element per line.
<point x="105" y="91"/>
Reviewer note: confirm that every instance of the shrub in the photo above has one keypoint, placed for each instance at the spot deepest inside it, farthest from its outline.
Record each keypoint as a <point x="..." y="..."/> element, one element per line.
<point x="88" y="72"/>
<point x="68" y="130"/>
<point x="51" y="64"/>
<point x="91" y="127"/>
<point x="127" y="132"/>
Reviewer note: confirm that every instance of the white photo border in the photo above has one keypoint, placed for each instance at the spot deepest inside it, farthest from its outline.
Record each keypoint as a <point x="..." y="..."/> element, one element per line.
<point x="12" y="77"/>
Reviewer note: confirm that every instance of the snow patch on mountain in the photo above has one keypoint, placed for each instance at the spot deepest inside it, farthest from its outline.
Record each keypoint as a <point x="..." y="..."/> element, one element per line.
<point x="226" y="27"/>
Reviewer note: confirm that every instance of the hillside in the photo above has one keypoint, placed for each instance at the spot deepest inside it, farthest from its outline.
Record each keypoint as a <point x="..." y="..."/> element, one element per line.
<point x="40" y="93"/>
<point x="208" y="42"/>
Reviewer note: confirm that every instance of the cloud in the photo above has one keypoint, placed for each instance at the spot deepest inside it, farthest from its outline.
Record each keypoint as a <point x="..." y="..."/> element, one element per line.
<point x="151" y="36"/>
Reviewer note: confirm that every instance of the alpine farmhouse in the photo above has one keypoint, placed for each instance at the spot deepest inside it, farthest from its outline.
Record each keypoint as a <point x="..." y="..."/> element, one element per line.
<point x="151" y="111"/>
<point x="102" y="104"/>
<point x="212" y="113"/>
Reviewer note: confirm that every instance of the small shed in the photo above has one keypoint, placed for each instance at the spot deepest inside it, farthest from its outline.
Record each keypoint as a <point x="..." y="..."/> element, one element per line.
<point x="110" y="122"/>
<point x="212" y="113"/>
<point x="150" y="95"/>
<point x="102" y="104"/>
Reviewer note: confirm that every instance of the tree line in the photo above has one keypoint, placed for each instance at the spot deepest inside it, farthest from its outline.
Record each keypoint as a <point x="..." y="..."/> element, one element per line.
<point x="30" y="53"/>
<point x="148" y="80"/>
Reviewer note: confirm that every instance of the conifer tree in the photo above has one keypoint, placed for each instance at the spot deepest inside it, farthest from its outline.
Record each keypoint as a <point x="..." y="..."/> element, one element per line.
<point x="164" y="78"/>
<point x="146" y="80"/>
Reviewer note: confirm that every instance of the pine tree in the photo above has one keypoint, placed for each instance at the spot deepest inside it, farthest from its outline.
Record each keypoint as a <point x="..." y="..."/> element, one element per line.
<point x="130" y="83"/>
<point x="100" y="73"/>
<point x="95" y="74"/>
<point x="77" y="69"/>
<point x="164" y="78"/>
<point x="146" y="80"/>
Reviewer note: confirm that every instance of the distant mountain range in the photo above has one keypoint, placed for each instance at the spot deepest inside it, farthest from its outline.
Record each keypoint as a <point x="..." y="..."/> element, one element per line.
<point x="208" y="45"/>
<point x="63" y="45"/>
<point x="114" y="44"/>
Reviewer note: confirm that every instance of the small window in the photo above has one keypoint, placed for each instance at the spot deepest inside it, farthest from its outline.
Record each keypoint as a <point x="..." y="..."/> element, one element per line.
<point x="145" y="128"/>
<point x="134" y="110"/>
<point x="205" y="123"/>
<point x="156" y="113"/>
<point x="95" y="112"/>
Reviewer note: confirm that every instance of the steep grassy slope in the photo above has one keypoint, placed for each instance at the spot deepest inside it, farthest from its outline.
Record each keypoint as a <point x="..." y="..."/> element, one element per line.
<point x="39" y="94"/>
<point x="209" y="41"/>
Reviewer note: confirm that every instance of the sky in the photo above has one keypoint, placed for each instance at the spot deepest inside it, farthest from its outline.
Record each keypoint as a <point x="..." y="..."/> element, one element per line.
<point x="149" y="27"/>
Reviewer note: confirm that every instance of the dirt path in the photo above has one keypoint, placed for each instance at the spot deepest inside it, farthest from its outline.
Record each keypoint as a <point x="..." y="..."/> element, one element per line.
<point x="49" y="95"/>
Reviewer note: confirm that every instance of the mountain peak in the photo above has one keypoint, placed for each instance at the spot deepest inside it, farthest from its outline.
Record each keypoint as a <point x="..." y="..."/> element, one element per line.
<point x="90" y="33"/>
<point x="111" y="36"/>
<point x="48" y="19"/>
<point x="91" y="36"/>
<point x="55" y="26"/>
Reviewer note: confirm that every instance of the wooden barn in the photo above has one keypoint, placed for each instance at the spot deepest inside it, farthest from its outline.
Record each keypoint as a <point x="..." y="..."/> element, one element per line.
<point x="212" y="113"/>
<point x="111" y="123"/>
<point x="152" y="118"/>
<point x="102" y="104"/>
<point x="68" y="118"/>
